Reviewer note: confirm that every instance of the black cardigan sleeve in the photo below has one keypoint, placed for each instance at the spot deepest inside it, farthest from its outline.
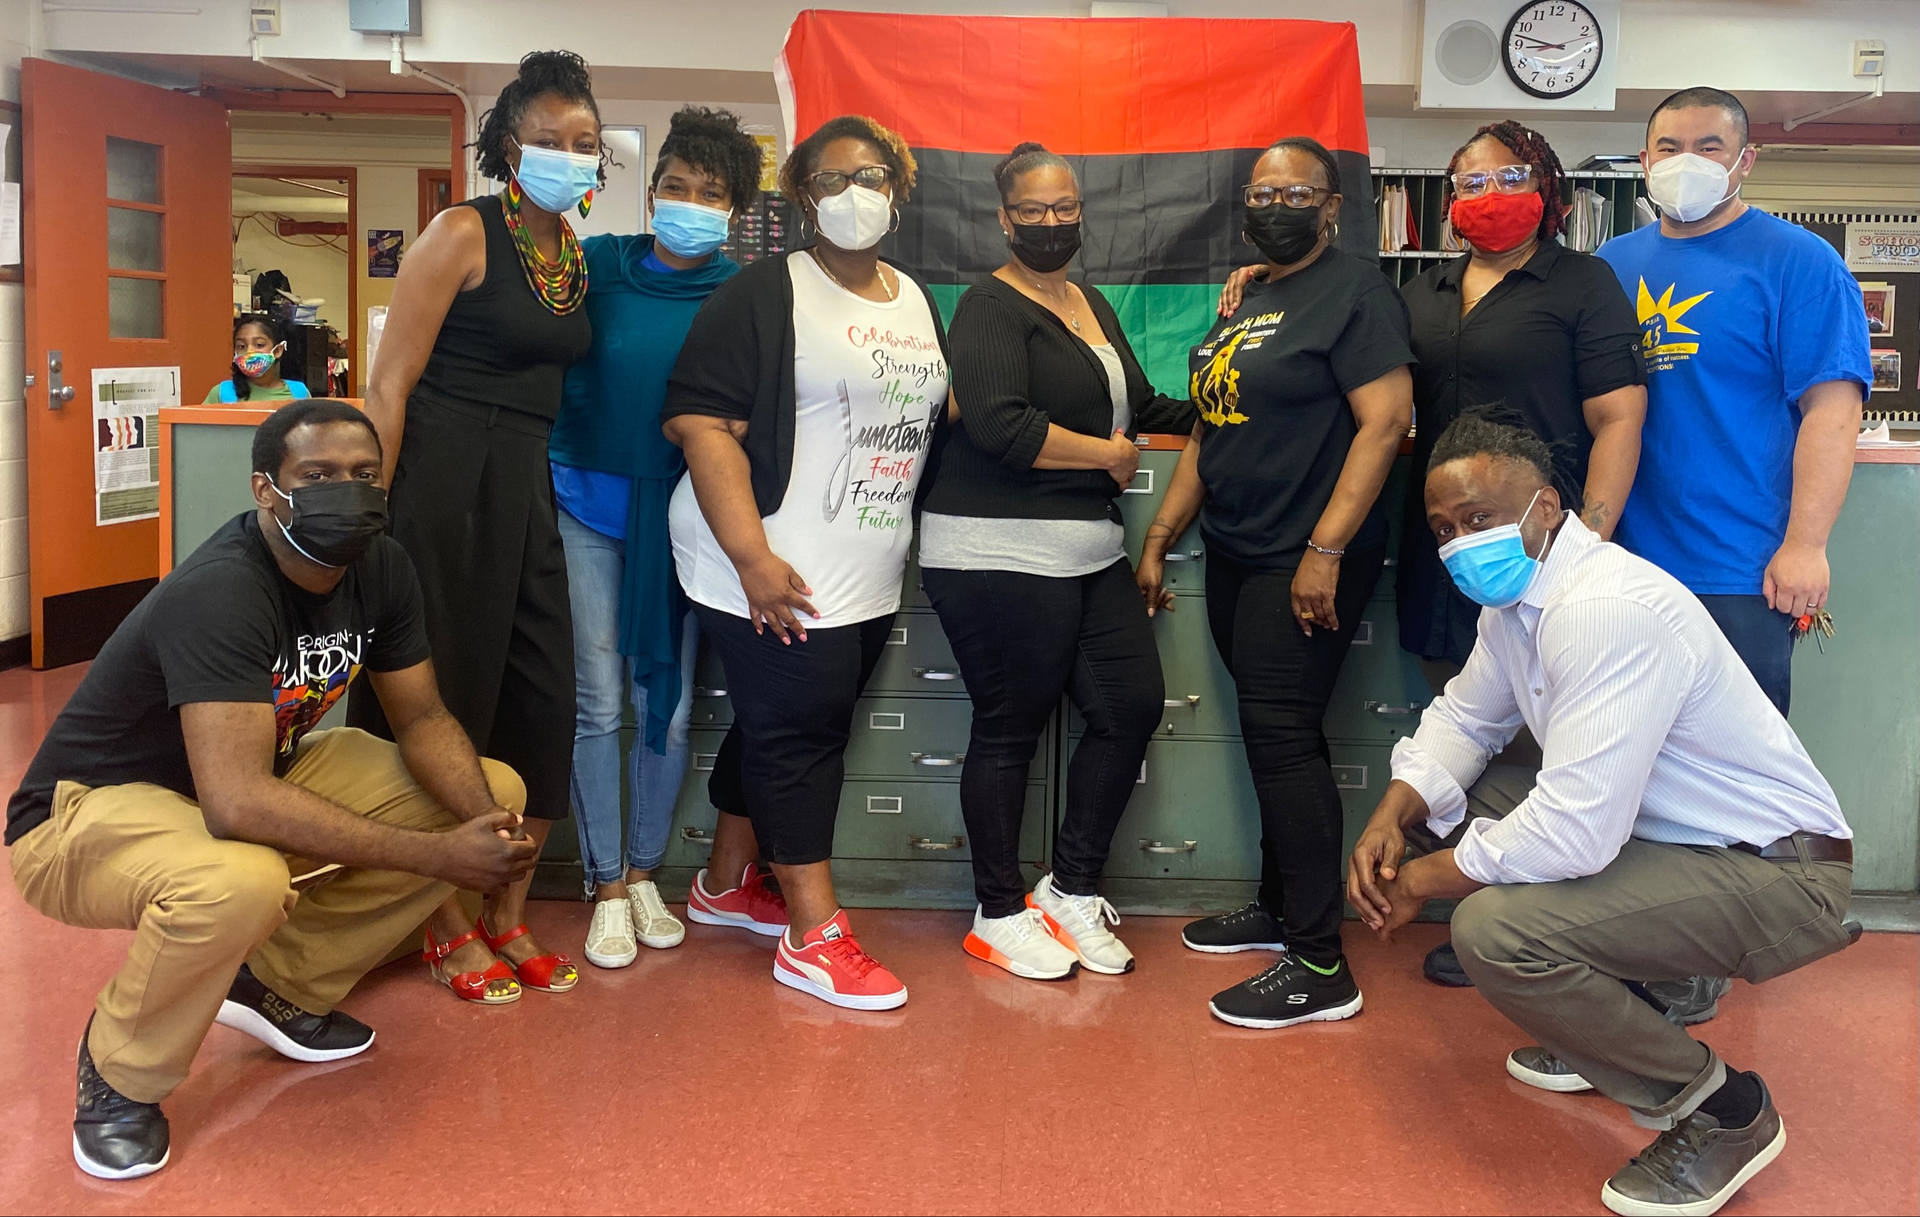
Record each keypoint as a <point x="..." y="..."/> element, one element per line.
<point x="990" y="380"/>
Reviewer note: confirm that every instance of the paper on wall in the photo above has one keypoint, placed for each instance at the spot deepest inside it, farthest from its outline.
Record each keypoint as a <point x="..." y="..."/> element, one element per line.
<point x="126" y="440"/>
<point x="1883" y="246"/>
<point x="9" y="209"/>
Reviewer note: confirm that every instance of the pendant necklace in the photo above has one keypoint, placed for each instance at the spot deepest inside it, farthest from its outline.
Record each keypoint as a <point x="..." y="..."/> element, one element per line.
<point x="1066" y="302"/>
<point x="879" y="274"/>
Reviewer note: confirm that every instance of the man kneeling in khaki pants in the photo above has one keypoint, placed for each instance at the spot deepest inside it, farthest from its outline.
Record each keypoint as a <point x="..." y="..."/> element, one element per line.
<point x="264" y="870"/>
<point x="1676" y="827"/>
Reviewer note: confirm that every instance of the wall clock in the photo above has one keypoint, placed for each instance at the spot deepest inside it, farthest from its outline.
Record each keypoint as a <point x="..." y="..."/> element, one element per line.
<point x="1552" y="48"/>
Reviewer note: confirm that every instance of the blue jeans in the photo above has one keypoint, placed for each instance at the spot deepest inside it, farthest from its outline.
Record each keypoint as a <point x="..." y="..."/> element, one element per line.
<point x="603" y="679"/>
<point x="1761" y="637"/>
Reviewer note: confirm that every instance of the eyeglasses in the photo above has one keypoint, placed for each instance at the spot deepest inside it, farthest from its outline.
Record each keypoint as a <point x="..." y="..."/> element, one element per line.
<point x="829" y="182"/>
<point x="1296" y="197"/>
<point x="1508" y="179"/>
<point x="1066" y="211"/>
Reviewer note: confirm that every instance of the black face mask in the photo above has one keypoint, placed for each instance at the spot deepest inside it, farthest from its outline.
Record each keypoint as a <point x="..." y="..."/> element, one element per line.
<point x="1045" y="248"/>
<point x="334" y="522"/>
<point x="1285" y="234"/>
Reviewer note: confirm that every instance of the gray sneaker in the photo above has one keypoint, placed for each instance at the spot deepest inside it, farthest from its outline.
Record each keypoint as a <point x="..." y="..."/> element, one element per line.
<point x="1696" y="1166"/>
<point x="1689" y="1002"/>
<point x="1539" y="1068"/>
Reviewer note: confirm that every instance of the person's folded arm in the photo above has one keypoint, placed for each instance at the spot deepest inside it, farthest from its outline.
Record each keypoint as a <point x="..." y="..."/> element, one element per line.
<point x="435" y="748"/>
<point x="1619" y="675"/>
<point x="1460" y="731"/>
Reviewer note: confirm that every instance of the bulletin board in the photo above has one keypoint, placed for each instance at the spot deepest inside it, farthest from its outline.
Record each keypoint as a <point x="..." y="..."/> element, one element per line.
<point x="1902" y="337"/>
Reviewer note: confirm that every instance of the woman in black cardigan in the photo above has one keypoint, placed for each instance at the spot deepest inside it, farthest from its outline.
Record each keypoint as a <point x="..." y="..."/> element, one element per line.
<point x="1021" y="550"/>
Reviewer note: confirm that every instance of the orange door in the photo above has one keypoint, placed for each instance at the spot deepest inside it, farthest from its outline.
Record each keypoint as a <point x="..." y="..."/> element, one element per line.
<point x="127" y="206"/>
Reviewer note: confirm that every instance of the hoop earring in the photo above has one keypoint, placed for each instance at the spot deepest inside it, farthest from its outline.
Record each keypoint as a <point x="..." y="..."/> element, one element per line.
<point x="895" y="226"/>
<point x="805" y="236"/>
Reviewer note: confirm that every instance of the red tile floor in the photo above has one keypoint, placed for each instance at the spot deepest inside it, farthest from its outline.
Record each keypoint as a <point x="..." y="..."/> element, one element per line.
<point x="690" y="1082"/>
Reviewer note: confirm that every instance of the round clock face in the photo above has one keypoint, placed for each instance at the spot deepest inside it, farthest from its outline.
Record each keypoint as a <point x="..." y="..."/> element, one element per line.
<point x="1552" y="48"/>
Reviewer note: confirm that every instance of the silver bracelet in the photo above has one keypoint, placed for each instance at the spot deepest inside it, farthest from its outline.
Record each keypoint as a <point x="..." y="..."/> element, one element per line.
<point x="1321" y="549"/>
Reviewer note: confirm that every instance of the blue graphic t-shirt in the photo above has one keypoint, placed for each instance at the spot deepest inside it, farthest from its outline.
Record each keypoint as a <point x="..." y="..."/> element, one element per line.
<point x="1736" y="325"/>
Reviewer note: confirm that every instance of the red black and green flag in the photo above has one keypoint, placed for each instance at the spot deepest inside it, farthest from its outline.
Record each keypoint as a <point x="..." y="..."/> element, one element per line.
<point x="1162" y="119"/>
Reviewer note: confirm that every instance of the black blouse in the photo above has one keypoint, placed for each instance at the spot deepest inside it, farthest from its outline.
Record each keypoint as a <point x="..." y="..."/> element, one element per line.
<point x="1552" y="334"/>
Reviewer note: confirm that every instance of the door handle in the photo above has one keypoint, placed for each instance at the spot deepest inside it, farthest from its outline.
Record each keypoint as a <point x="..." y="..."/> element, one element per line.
<point x="1384" y="710"/>
<point x="1190" y="702"/>
<point x="937" y="760"/>
<point x="58" y="392"/>
<point x="930" y="843"/>
<point x="1154" y="847"/>
<point x="937" y="673"/>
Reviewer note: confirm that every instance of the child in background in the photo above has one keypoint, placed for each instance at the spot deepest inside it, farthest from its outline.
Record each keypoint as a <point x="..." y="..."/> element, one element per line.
<point x="258" y="344"/>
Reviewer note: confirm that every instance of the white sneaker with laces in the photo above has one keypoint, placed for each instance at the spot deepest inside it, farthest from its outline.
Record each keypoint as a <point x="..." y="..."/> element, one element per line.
<point x="1079" y="923"/>
<point x="1021" y="945"/>
<point x="653" y="925"/>
<point x="610" y="937"/>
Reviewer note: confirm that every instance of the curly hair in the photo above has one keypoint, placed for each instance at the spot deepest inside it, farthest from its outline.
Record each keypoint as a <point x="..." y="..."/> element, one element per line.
<point x="560" y="74"/>
<point x="1532" y="148"/>
<point x="805" y="157"/>
<point x="712" y="141"/>
<point x="1024" y="159"/>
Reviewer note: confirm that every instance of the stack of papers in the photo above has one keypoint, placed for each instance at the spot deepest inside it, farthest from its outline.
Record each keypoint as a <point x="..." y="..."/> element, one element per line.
<point x="1397" y="230"/>
<point x="1590" y="222"/>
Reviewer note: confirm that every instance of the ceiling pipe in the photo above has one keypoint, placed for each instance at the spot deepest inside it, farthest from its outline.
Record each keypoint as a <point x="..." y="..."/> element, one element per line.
<point x="1879" y="88"/>
<point x="296" y="73"/>
<point x="398" y="65"/>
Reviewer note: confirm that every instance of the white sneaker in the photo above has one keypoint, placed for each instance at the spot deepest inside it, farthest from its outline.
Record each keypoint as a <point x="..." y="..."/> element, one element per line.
<point x="610" y="937"/>
<point x="1079" y="923"/>
<point x="1020" y="944"/>
<point x="653" y="925"/>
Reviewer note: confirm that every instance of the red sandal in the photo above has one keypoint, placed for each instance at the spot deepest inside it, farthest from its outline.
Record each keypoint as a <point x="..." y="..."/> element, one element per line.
<point x="470" y="986"/>
<point x="535" y="973"/>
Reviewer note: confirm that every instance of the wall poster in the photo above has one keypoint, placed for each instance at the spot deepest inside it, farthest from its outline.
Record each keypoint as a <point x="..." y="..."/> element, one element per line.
<point x="126" y="441"/>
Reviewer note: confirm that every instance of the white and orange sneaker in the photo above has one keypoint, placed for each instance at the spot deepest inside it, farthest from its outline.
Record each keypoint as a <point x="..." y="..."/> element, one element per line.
<point x="1079" y="923"/>
<point x="749" y="905"/>
<point x="830" y="965"/>
<point x="1021" y="944"/>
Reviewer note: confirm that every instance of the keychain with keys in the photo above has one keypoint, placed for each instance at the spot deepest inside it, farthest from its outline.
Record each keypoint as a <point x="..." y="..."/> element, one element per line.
<point x="1818" y="622"/>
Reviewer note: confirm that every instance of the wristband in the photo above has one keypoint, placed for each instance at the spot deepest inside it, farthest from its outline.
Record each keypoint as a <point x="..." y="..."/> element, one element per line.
<point x="1321" y="549"/>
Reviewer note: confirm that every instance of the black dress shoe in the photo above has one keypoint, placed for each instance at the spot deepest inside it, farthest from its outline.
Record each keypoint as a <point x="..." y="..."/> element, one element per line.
<point x="286" y="1028"/>
<point x="1696" y="1166"/>
<point x="1442" y="967"/>
<point x="113" y="1136"/>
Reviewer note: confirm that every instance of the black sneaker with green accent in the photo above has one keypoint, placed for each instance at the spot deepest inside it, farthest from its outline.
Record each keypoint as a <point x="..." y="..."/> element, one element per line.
<point x="1291" y="991"/>
<point x="1248" y="928"/>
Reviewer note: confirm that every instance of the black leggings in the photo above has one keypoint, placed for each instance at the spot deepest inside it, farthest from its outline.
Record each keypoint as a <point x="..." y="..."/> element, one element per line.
<point x="1285" y="679"/>
<point x="1022" y="640"/>
<point x="783" y="760"/>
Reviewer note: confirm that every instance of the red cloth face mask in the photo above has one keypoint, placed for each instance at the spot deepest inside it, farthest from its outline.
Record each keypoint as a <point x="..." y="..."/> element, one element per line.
<point x="1497" y="222"/>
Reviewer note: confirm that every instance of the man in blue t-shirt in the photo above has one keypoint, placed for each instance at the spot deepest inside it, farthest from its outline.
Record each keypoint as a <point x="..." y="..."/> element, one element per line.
<point x="1756" y="347"/>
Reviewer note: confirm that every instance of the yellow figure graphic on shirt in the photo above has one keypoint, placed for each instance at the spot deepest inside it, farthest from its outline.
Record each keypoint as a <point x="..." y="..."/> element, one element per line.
<point x="1659" y="322"/>
<point x="1217" y="390"/>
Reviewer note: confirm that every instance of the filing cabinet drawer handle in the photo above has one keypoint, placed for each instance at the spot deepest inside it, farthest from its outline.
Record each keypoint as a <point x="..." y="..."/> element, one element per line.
<point x="930" y="843"/>
<point x="1136" y="488"/>
<point x="1154" y="847"/>
<point x="700" y="692"/>
<point x="937" y="760"/>
<point x="1190" y="702"/>
<point x="1385" y="710"/>
<point x="696" y="836"/>
<point x="704" y="761"/>
<point x="937" y="673"/>
<point x="1192" y="555"/>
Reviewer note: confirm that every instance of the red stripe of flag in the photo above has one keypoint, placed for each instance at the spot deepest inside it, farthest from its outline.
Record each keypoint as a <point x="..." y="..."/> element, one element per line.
<point x="1078" y="85"/>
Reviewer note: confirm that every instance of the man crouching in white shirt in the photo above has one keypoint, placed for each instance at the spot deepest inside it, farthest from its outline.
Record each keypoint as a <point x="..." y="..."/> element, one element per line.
<point x="1676" y="827"/>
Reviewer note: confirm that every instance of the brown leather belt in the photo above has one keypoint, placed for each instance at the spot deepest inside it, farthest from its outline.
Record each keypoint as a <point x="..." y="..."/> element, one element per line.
<point x="1787" y="849"/>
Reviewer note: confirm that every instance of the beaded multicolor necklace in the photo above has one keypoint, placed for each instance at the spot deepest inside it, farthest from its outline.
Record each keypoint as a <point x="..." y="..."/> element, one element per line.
<point x="560" y="286"/>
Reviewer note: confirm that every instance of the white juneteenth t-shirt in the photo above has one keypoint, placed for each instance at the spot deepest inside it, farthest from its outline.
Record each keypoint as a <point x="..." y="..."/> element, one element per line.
<point x="869" y="383"/>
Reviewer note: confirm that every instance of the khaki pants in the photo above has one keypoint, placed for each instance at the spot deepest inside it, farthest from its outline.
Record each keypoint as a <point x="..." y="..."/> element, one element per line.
<point x="1556" y="958"/>
<point x="140" y="857"/>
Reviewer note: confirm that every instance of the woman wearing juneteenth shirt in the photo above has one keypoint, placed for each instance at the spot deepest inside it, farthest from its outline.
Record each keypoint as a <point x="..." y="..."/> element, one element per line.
<point x="613" y="473"/>
<point x="1304" y="396"/>
<point x="808" y="400"/>
<point x="1022" y="554"/>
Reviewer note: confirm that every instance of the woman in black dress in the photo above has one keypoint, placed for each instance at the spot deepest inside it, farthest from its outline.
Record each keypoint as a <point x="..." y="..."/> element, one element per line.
<point x="485" y="319"/>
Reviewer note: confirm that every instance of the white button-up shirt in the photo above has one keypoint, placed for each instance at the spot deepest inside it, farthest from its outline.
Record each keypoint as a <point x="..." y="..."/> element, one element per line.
<point x="1649" y="723"/>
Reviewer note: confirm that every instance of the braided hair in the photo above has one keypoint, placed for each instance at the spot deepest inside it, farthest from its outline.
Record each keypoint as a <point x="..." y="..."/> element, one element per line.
<point x="276" y="333"/>
<point x="560" y="74"/>
<point x="903" y="170"/>
<point x="1024" y="159"/>
<point x="714" y="142"/>
<point x="1532" y="148"/>
<point x="1499" y="431"/>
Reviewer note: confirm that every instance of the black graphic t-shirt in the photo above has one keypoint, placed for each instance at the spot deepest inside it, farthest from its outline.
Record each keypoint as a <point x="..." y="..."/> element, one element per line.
<point x="225" y="625"/>
<point x="1270" y="383"/>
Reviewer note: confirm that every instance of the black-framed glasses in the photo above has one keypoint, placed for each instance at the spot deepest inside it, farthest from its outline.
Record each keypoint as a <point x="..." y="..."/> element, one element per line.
<point x="1508" y="179"/>
<point x="829" y="182"/>
<point x="1296" y="196"/>
<point x="1066" y="211"/>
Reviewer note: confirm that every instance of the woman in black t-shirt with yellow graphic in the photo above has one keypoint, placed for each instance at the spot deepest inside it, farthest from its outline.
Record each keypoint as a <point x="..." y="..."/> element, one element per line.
<point x="1304" y="396"/>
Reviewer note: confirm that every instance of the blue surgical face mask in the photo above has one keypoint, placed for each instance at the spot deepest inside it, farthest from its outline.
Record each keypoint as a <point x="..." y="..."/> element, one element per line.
<point x="1493" y="567"/>
<point x="556" y="181"/>
<point x="689" y="230"/>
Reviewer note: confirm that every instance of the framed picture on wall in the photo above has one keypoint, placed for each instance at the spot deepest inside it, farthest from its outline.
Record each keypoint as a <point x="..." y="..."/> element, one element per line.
<point x="1886" y="371"/>
<point x="1878" y="299"/>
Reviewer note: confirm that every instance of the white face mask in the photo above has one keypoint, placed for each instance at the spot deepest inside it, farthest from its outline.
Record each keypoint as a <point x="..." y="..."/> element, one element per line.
<point x="1687" y="187"/>
<point x="856" y="218"/>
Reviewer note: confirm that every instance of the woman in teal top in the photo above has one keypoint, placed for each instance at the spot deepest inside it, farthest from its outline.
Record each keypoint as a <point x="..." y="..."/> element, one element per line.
<point x="258" y="344"/>
<point x="613" y="474"/>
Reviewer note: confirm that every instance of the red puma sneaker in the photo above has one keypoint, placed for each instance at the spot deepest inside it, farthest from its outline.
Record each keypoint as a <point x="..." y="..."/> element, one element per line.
<point x="830" y="965"/>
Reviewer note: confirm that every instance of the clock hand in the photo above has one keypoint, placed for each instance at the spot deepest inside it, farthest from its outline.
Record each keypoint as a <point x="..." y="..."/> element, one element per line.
<point x="1545" y="46"/>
